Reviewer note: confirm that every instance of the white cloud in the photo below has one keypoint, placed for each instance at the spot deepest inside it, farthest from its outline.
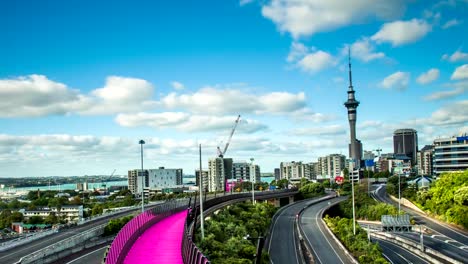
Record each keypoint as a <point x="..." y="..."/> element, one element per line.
<point x="188" y="123"/>
<point x="331" y="130"/>
<point x="308" y="59"/>
<point x="363" y="50"/>
<point x="460" y="73"/>
<point x="451" y="23"/>
<point x="120" y="94"/>
<point x="36" y="95"/>
<point x="457" y="88"/>
<point x="452" y="114"/>
<point x="429" y="76"/>
<point x="227" y="100"/>
<point x="307" y="17"/>
<point x="456" y="56"/>
<point x="444" y="94"/>
<point x="402" y="32"/>
<point x="177" y="85"/>
<point x="316" y="61"/>
<point x="398" y="80"/>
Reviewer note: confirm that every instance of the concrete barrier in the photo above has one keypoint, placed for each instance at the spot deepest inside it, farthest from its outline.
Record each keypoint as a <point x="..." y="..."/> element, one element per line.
<point x="407" y="203"/>
<point x="18" y="242"/>
<point x="415" y="248"/>
<point x="65" y="247"/>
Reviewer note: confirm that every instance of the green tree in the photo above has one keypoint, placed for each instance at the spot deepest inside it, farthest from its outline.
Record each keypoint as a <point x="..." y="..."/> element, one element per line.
<point x="35" y="220"/>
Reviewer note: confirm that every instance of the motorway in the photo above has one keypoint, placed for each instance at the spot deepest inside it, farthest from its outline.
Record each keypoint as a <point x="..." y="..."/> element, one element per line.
<point x="438" y="228"/>
<point x="281" y="244"/>
<point x="13" y="255"/>
<point x="325" y="248"/>
<point x="447" y="240"/>
<point x="396" y="254"/>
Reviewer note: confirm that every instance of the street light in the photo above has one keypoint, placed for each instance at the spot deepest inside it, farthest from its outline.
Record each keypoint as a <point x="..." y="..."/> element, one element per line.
<point x="260" y="241"/>
<point x="252" y="178"/>
<point x="142" y="142"/>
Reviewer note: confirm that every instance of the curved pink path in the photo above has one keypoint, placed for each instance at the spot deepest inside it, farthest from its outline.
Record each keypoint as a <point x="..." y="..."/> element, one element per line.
<point x="161" y="243"/>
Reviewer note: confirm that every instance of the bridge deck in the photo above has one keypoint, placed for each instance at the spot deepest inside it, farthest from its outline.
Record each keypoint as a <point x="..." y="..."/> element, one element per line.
<point x="161" y="243"/>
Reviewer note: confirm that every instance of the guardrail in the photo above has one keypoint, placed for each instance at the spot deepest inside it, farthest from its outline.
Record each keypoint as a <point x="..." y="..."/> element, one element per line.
<point x="191" y="254"/>
<point x="23" y="240"/>
<point x="127" y="236"/>
<point x="62" y="245"/>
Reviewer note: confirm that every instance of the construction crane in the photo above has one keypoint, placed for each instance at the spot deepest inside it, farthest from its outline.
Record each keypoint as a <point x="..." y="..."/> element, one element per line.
<point x="221" y="153"/>
<point x="103" y="183"/>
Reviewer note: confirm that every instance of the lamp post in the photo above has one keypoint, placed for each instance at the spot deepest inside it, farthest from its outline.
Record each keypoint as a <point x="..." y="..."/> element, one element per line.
<point x="201" y="196"/>
<point x="252" y="178"/>
<point x="260" y="240"/>
<point x="142" y="142"/>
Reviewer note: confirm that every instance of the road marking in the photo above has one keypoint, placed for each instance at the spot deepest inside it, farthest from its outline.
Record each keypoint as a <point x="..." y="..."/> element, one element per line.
<point x="388" y="258"/>
<point x="320" y="212"/>
<point x="274" y="225"/>
<point x="463" y="247"/>
<point x="86" y="255"/>
<point x="449" y="241"/>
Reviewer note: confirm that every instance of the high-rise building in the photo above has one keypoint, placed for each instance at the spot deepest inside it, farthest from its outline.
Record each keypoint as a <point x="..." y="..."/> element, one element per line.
<point x="162" y="178"/>
<point x="450" y="154"/>
<point x="331" y="165"/>
<point x="243" y="170"/>
<point x="405" y="142"/>
<point x="355" y="145"/>
<point x="135" y="181"/>
<point x="277" y="174"/>
<point x="219" y="170"/>
<point x="310" y="170"/>
<point x="291" y="170"/>
<point x="154" y="179"/>
<point x="425" y="160"/>
<point x="204" y="177"/>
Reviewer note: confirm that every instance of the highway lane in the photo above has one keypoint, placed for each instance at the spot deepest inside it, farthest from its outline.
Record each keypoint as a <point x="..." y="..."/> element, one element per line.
<point x="93" y="257"/>
<point x="438" y="228"/>
<point x="446" y="248"/>
<point x="15" y="254"/>
<point x="281" y="244"/>
<point x="396" y="254"/>
<point x="325" y="248"/>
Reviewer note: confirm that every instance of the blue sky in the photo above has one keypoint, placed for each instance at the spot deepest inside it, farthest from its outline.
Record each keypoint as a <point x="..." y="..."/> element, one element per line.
<point x="82" y="81"/>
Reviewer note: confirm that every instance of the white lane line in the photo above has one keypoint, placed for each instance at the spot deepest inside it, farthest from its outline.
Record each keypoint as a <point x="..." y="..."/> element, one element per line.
<point x="398" y="254"/>
<point x="294" y="242"/>
<point x="323" y="234"/>
<point x="274" y="226"/>
<point x="315" y="252"/>
<point x="463" y="247"/>
<point x="389" y="260"/>
<point x="409" y="252"/>
<point x="86" y="255"/>
<point x="449" y="241"/>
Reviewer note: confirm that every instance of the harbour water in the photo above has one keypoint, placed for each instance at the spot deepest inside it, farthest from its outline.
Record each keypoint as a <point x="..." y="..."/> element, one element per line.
<point x="97" y="185"/>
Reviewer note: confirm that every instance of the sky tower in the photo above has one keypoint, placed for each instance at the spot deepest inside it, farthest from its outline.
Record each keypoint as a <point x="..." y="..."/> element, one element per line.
<point x="355" y="146"/>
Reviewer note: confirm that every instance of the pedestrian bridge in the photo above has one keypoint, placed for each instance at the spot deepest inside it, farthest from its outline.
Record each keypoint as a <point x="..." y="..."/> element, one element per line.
<point x="164" y="234"/>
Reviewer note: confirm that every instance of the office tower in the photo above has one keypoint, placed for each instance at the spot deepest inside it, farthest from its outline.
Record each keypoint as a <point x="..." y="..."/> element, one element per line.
<point x="405" y="142"/>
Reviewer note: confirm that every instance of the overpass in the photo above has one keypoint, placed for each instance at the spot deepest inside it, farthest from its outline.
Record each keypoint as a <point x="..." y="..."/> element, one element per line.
<point x="165" y="233"/>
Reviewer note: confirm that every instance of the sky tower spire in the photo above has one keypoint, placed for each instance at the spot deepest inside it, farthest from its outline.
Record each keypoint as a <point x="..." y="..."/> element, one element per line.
<point x="355" y="146"/>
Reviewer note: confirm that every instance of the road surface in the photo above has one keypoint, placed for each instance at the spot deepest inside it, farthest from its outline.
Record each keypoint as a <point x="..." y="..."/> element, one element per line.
<point x="282" y="245"/>
<point x="326" y="250"/>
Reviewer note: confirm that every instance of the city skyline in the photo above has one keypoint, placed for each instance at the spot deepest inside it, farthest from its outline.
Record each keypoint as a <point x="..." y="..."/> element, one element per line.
<point x="81" y="84"/>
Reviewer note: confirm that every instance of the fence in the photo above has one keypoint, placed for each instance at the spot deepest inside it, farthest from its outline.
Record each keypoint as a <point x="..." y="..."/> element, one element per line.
<point x="191" y="254"/>
<point x="127" y="236"/>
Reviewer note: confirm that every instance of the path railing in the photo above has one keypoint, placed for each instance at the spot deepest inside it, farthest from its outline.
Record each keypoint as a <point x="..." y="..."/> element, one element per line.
<point x="191" y="254"/>
<point x="138" y="225"/>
